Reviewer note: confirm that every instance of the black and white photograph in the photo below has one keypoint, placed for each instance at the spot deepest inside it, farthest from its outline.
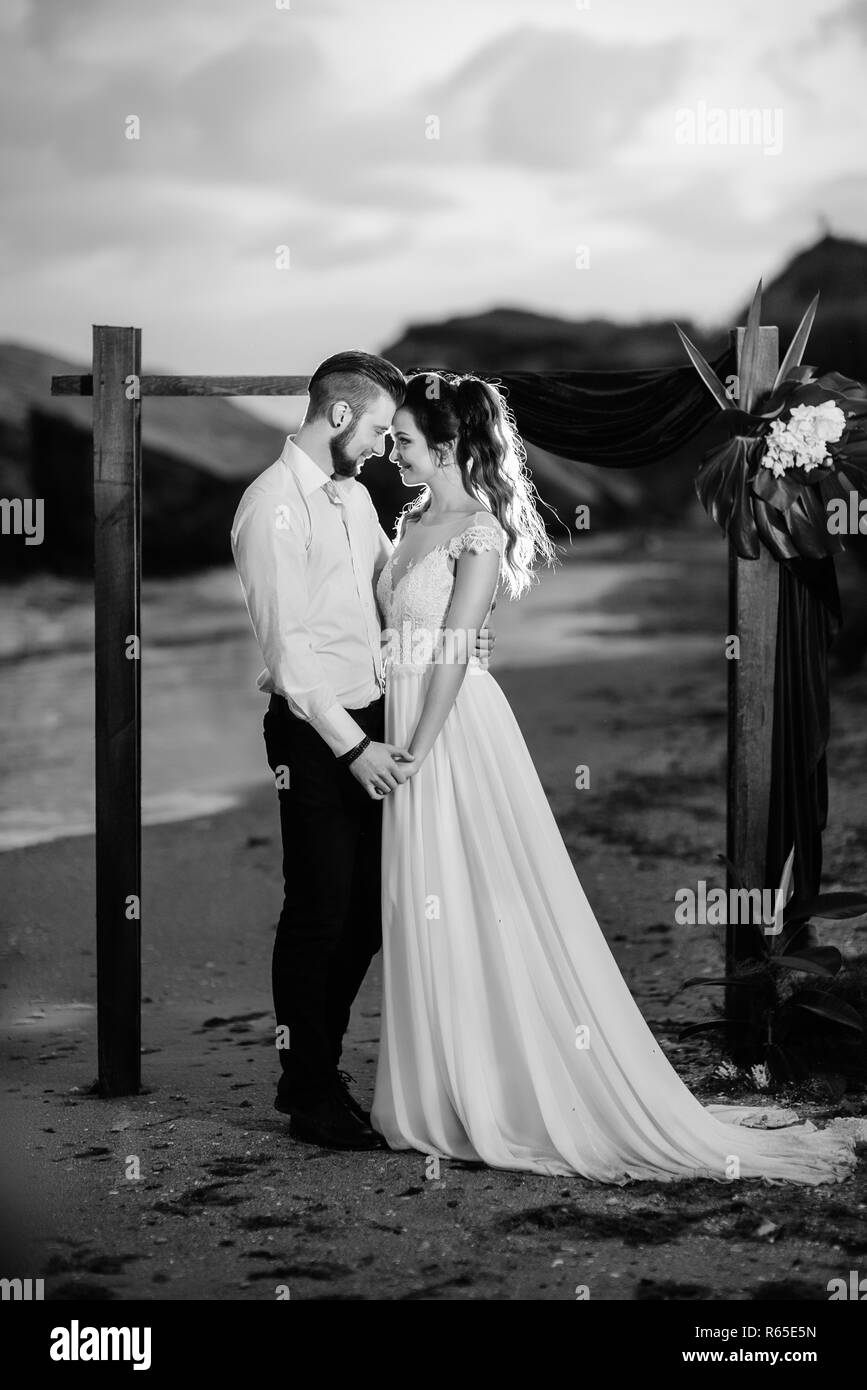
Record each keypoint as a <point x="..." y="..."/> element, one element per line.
<point x="433" y="635"/>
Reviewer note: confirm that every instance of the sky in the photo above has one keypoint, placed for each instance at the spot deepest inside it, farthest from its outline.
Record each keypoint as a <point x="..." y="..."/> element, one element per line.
<point x="569" y="174"/>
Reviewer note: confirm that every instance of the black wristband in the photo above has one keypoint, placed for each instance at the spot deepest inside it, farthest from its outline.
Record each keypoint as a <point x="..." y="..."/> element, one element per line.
<point x="347" y="758"/>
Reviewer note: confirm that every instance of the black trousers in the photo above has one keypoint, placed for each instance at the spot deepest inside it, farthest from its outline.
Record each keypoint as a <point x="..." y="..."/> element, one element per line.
<point x="330" y="927"/>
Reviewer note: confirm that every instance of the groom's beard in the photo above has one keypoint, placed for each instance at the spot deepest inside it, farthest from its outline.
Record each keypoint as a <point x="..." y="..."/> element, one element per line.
<point x="344" y="462"/>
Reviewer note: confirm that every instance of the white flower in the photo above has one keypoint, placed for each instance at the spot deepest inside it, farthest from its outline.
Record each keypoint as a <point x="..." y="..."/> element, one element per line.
<point x="726" y="1071"/>
<point x="761" y="1076"/>
<point x="826" y="421"/>
<point x="800" y="441"/>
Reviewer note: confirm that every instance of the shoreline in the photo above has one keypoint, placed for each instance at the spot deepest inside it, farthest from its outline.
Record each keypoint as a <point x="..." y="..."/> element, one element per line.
<point x="202" y="713"/>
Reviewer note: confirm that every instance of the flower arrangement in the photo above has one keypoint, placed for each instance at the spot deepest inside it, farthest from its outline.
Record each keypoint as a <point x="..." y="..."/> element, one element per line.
<point x="802" y="440"/>
<point x="784" y="462"/>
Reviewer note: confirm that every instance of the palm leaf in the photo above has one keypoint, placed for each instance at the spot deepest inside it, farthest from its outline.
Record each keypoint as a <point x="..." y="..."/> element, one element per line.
<point x="798" y="344"/>
<point x="831" y="907"/>
<point x="816" y="960"/>
<point x="834" y="1010"/>
<point x="706" y="372"/>
<point x="717" y="980"/>
<point x="784" y="892"/>
<point x="703" y="1027"/>
<point x="750" y="352"/>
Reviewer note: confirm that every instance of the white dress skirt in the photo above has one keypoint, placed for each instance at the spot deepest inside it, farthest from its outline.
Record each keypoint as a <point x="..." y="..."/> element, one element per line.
<point x="508" y="1034"/>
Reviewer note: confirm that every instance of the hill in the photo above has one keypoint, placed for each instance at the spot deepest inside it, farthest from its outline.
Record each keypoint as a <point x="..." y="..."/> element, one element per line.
<point x="837" y="268"/>
<point x="199" y="453"/>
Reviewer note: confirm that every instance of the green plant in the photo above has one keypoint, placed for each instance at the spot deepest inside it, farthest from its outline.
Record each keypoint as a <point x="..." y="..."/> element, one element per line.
<point x="775" y="1027"/>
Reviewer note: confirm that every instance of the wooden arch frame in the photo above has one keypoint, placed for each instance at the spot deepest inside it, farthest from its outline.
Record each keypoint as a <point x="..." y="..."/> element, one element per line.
<point x="117" y="387"/>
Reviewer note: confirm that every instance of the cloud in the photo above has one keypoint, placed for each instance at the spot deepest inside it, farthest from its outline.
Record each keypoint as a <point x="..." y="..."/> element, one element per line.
<point x="556" y="100"/>
<point x="850" y="19"/>
<point x="307" y="127"/>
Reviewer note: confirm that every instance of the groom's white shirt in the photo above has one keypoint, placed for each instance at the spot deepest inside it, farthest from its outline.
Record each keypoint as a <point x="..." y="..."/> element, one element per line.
<point x="308" y="558"/>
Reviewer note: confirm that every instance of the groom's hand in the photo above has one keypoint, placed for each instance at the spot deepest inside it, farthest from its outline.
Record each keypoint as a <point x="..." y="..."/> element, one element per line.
<point x="379" y="768"/>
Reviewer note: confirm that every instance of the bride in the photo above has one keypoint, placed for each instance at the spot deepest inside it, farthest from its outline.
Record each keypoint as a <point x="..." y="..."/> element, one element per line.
<point x="509" y="1036"/>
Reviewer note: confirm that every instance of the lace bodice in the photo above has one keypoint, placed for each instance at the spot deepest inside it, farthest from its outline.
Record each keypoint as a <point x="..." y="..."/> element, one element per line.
<point x="414" y="609"/>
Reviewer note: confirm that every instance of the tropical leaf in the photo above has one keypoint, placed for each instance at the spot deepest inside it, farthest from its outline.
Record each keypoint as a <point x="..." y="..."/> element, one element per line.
<point x="722" y="487"/>
<point x="750" y="423"/>
<point x="832" y="907"/>
<point x="750" y="352"/>
<point x="770" y="526"/>
<point x="706" y="372"/>
<point x="716" y="980"/>
<point x="834" y="1010"/>
<point x="703" y="1027"/>
<point x="853" y="392"/>
<point x="798" y="344"/>
<point x="785" y="890"/>
<point x="836" y="485"/>
<point x="815" y="960"/>
<point x="854" y="466"/>
<point x="809" y="535"/>
<point x="779" y="492"/>
<point x="779" y="944"/>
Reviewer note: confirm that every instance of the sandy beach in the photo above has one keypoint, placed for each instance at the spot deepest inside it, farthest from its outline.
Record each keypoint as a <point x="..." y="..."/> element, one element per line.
<point x="616" y="662"/>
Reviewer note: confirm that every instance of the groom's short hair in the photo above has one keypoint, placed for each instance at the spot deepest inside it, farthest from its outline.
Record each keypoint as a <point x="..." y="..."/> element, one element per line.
<point x="354" y="377"/>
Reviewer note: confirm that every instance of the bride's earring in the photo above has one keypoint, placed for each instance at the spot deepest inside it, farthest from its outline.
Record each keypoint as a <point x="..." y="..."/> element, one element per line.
<point x="447" y="457"/>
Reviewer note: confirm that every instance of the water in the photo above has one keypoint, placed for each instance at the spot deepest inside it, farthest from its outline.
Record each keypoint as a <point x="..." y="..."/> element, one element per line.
<point x="202" y="747"/>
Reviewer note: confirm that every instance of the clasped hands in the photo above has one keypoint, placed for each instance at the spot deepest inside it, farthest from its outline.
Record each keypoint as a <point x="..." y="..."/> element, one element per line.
<point x="384" y="766"/>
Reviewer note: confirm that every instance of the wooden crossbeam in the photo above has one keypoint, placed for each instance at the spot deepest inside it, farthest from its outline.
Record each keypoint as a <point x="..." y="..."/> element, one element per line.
<point x="193" y="385"/>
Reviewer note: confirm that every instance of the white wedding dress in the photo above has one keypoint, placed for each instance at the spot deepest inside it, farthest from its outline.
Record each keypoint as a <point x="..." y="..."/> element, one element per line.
<point x="508" y="1034"/>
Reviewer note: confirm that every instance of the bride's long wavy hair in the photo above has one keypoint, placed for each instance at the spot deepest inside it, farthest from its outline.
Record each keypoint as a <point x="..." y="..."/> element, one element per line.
<point x="474" y="416"/>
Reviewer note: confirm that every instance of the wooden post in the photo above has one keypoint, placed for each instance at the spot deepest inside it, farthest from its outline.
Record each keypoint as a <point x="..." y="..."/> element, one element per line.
<point x="753" y="603"/>
<point x="117" y="584"/>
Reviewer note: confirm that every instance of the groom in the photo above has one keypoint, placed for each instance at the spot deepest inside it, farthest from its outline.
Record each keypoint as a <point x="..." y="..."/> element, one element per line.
<point x="308" y="548"/>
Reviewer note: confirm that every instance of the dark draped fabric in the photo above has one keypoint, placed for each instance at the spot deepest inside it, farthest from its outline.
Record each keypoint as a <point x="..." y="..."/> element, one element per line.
<point x="809" y="618"/>
<point x="614" y="419"/>
<point x="632" y="419"/>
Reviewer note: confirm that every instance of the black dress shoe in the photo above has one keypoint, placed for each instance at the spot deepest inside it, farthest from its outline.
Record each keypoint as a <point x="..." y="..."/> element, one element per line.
<point x="343" y="1080"/>
<point x="330" y="1123"/>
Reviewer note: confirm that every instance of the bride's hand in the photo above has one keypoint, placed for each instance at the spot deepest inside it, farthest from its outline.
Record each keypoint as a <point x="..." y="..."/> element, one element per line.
<point x="413" y="767"/>
<point x="485" y="640"/>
